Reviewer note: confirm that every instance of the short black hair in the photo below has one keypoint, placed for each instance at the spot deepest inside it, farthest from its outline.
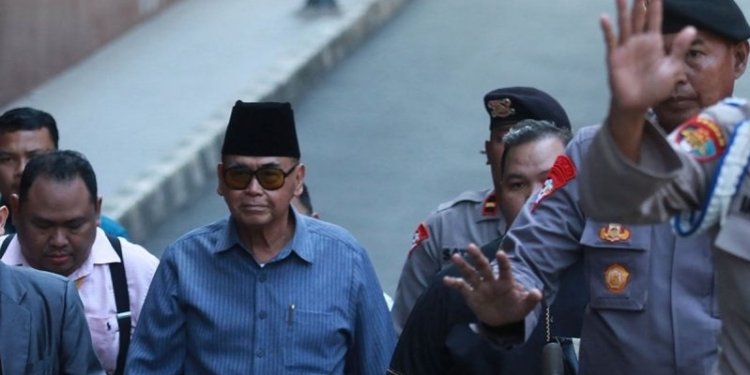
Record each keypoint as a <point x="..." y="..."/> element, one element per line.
<point x="60" y="166"/>
<point x="26" y="118"/>
<point x="526" y="131"/>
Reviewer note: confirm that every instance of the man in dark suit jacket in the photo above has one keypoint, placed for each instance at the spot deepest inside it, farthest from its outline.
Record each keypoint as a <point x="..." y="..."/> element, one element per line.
<point x="42" y="325"/>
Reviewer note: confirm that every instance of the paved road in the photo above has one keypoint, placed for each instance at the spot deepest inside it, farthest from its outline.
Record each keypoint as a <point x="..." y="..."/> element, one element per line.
<point x="397" y="128"/>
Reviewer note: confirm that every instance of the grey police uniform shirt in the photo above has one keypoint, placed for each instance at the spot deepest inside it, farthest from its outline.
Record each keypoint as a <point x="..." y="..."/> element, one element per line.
<point x="652" y="307"/>
<point x="666" y="182"/>
<point x="472" y="217"/>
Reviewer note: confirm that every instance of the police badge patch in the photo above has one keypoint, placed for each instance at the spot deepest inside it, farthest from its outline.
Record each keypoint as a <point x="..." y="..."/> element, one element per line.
<point x="561" y="173"/>
<point x="701" y="138"/>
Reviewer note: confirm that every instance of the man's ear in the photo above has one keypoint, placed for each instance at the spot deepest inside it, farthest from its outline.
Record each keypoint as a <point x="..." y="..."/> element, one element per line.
<point x="98" y="208"/>
<point x="299" y="180"/>
<point x="14" y="205"/>
<point x="219" y="178"/>
<point x="3" y="217"/>
<point x="741" y="51"/>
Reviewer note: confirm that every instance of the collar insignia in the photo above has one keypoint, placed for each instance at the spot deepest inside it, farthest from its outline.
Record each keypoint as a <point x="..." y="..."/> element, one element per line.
<point x="489" y="207"/>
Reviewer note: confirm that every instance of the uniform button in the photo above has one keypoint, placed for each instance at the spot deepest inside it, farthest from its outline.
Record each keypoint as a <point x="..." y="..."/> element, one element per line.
<point x="260" y="353"/>
<point x="263" y="277"/>
<point x="262" y="315"/>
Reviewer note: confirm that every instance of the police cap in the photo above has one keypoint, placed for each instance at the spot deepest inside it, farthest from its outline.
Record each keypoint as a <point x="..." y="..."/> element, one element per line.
<point x="510" y="105"/>
<point x="721" y="17"/>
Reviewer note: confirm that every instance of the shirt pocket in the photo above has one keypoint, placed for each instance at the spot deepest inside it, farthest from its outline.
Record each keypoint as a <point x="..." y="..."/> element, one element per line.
<point x="105" y="339"/>
<point x="314" y="343"/>
<point x="617" y="265"/>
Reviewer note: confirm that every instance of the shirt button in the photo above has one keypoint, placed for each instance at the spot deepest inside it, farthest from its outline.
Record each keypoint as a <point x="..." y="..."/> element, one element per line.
<point x="263" y="277"/>
<point x="260" y="353"/>
<point x="262" y="315"/>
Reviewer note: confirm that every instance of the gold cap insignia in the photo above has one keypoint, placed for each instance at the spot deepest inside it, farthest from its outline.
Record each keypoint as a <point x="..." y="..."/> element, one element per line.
<point x="616" y="278"/>
<point x="500" y="108"/>
<point x="614" y="232"/>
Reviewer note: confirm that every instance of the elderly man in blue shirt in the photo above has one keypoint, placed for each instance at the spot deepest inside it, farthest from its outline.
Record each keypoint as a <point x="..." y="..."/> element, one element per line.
<point x="267" y="290"/>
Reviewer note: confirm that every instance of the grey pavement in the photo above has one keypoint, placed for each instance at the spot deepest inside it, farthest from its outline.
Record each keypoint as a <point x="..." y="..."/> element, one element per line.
<point x="397" y="127"/>
<point x="149" y="108"/>
<point x="393" y="130"/>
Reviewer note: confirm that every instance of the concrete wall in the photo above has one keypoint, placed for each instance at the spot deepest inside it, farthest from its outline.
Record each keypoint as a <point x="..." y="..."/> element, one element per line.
<point x="40" y="38"/>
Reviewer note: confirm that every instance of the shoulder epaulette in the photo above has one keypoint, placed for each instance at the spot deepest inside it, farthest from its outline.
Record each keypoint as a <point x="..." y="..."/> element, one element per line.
<point x="467" y="196"/>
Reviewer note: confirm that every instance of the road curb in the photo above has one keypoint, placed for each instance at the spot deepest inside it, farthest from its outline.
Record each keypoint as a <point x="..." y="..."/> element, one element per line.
<point x="148" y="200"/>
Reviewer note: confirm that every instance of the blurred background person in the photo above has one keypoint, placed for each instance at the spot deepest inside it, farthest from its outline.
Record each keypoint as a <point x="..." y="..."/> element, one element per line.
<point x="473" y="216"/>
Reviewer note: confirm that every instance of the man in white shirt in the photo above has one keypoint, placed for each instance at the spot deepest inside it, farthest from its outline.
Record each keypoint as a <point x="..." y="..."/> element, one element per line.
<point x="56" y="212"/>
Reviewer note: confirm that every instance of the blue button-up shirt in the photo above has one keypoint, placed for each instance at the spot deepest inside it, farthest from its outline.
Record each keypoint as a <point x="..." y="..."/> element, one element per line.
<point x="316" y="308"/>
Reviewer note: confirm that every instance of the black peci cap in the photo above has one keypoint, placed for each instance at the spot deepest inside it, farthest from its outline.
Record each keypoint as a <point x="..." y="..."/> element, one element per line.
<point x="510" y="105"/>
<point x="721" y="17"/>
<point x="261" y="129"/>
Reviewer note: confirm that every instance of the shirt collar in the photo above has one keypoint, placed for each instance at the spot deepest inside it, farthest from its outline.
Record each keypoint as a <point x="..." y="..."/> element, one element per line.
<point x="300" y="241"/>
<point x="299" y="245"/>
<point x="13" y="255"/>
<point x="101" y="253"/>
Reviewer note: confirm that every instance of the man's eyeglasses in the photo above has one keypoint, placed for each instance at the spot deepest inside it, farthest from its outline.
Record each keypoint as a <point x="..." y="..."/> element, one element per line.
<point x="269" y="178"/>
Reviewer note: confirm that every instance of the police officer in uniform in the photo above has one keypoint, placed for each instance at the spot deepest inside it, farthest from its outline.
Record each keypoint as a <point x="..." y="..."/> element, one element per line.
<point x="705" y="181"/>
<point x="437" y="338"/>
<point x="473" y="216"/>
<point x="699" y="173"/>
<point x="653" y="306"/>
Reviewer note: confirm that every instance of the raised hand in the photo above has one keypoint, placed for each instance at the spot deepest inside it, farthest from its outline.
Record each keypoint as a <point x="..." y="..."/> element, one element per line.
<point x="641" y="73"/>
<point x="495" y="299"/>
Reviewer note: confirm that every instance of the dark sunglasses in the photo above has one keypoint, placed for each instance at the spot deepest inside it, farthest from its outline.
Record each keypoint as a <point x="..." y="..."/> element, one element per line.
<point x="269" y="178"/>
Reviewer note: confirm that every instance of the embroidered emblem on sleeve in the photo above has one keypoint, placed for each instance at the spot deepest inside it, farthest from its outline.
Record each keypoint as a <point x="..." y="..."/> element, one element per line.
<point x="701" y="138"/>
<point x="730" y="170"/>
<point x="614" y="232"/>
<point x="562" y="172"/>
<point x="616" y="278"/>
<point x="419" y="236"/>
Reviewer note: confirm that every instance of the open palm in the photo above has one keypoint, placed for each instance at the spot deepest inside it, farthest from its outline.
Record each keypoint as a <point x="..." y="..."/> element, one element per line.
<point x="641" y="72"/>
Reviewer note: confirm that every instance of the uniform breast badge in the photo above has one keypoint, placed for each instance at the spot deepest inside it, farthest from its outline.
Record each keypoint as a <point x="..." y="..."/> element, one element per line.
<point x="614" y="232"/>
<point x="701" y="138"/>
<point x="616" y="278"/>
